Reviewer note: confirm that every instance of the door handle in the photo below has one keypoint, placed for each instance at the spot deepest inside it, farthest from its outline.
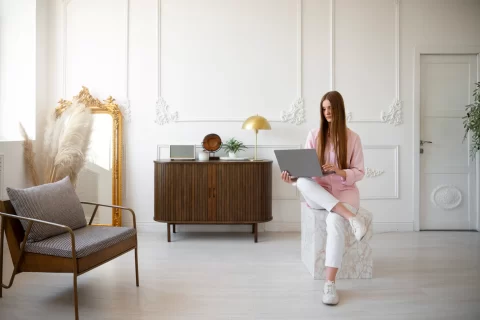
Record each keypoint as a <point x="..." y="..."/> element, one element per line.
<point x="422" y="142"/>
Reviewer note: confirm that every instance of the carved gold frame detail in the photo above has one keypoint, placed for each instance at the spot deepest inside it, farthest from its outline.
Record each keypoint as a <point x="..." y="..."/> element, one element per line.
<point x="109" y="106"/>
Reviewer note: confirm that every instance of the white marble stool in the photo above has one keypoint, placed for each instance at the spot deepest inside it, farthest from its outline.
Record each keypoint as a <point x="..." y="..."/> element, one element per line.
<point x="357" y="259"/>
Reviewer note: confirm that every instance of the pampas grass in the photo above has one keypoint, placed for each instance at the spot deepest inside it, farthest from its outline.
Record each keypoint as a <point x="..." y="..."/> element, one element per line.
<point x="65" y="144"/>
<point x="29" y="156"/>
<point x="73" y="141"/>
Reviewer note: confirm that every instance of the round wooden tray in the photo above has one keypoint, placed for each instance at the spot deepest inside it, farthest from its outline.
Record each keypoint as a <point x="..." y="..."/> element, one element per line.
<point x="212" y="142"/>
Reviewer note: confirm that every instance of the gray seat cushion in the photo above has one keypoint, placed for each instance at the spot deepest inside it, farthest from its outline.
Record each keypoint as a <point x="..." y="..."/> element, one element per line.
<point x="53" y="202"/>
<point x="88" y="240"/>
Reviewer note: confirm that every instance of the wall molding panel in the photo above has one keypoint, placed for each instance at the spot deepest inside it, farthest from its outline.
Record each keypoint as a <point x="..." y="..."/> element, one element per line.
<point x="372" y="173"/>
<point x="394" y="113"/>
<point x="123" y="102"/>
<point x="295" y="114"/>
<point x="377" y="180"/>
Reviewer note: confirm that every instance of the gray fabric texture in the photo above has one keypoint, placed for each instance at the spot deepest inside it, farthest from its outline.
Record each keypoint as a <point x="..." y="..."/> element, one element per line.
<point x="88" y="240"/>
<point x="53" y="202"/>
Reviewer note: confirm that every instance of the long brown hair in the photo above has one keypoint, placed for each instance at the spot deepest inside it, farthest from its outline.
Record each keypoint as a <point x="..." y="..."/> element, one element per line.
<point x="337" y="128"/>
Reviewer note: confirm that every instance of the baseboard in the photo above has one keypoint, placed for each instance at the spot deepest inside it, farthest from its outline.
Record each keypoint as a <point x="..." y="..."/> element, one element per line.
<point x="378" y="227"/>
<point x="382" y="227"/>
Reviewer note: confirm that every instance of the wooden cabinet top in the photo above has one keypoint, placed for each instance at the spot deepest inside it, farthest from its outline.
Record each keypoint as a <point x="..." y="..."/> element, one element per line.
<point x="161" y="161"/>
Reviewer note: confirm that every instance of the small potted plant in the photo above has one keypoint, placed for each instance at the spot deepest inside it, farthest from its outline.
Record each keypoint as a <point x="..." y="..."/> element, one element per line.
<point x="232" y="146"/>
<point x="471" y="122"/>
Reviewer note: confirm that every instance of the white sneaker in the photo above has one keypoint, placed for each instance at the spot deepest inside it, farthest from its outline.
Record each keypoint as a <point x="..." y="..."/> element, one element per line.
<point x="358" y="228"/>
<point x="330" y="295"/>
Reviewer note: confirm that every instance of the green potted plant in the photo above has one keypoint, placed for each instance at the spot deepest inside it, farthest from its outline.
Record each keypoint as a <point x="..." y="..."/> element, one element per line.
<point x="471" y="122"/>
<point x="232" y="146"/>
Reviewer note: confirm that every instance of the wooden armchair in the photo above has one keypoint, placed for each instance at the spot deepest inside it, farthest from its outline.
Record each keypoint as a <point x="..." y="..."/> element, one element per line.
<point x="75" y="251"/>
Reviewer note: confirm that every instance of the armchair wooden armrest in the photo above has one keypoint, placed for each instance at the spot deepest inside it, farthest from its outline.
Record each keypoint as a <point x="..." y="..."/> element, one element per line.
<point x="110" y="206"/>
<point x="31" y="221"/>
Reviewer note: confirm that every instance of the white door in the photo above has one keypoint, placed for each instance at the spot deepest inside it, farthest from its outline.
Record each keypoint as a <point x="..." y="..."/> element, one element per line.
<point x="448" y="176"/>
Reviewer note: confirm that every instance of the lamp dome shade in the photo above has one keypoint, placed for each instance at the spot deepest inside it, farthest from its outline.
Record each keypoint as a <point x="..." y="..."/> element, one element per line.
<point x="256" y="123"/>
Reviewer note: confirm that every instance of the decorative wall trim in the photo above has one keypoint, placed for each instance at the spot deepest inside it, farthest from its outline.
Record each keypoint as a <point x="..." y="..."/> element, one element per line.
<point x="376" y="173"/>
<point x="124" y="103"/>
<point x="394" y="115"/>
<point x="164" y="115"/>
<point x="446" y="197"/>
<point x="372" y="173"/>
<point x="295" y="114"/>
<point x="2" y="170"/>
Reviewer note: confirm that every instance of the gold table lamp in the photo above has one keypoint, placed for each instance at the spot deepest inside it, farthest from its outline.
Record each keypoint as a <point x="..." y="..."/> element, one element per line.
<point x="256" y="123"/>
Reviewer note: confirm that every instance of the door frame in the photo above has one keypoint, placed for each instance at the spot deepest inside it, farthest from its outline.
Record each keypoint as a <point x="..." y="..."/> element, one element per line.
<point x="418" y="52"/>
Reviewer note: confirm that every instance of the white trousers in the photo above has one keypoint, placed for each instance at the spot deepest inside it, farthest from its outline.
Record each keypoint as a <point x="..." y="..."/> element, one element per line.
<point x="319" y="198"/>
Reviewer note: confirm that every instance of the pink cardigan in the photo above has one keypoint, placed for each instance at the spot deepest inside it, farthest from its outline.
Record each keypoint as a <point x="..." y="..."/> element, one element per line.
<point x="344" y="189"/>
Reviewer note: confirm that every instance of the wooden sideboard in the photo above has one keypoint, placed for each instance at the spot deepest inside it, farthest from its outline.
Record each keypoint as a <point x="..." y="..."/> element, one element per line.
<point x="213" y="192"/>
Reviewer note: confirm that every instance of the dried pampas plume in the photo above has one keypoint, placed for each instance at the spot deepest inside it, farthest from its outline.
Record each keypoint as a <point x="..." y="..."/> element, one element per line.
<point x="65" y="144"/>
<point x="73" y="141"/>
<point x="29" y="156"/>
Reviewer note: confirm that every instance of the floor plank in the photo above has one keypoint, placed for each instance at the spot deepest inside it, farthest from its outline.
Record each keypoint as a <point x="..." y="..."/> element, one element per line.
<point x="427" y="275"/>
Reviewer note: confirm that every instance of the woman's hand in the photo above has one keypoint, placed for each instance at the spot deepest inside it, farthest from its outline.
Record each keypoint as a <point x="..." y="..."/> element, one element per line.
<point x="287" y="177"/>
<point x="329" y="167"/>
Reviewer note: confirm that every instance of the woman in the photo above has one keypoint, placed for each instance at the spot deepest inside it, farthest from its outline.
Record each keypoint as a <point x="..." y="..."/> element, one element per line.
<point x="340" y="153"/>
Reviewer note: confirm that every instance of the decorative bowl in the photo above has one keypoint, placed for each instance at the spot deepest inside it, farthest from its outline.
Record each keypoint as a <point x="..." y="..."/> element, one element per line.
<point x="212" y="142"/>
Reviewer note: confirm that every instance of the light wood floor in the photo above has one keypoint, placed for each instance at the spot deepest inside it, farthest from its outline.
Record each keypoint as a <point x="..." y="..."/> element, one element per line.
<point x="427" y="275"/>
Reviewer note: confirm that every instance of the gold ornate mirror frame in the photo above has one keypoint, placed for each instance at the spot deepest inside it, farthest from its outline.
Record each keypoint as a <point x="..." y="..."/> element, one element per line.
<point x="109" y="106"/>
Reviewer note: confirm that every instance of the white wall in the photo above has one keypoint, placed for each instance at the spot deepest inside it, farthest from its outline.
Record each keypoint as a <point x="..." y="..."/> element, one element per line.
<point x="12" y="173"/>
<point x="218" y="62"/>
<point x="17" y="67"/>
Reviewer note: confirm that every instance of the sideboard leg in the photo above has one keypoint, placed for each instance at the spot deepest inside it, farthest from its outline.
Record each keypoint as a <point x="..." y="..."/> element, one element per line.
<point x="168" y="231"/>
<point x="255" y="227"/>
<point x="174" y="230"/>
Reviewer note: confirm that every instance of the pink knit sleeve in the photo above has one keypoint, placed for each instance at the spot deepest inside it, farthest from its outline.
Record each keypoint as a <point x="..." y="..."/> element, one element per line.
<point x="310" y="143"/>
<point x="356" y="172"/>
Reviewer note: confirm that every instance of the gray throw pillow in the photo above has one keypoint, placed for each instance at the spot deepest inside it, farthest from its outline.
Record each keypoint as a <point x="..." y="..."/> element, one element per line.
<point x="53" y="202"/>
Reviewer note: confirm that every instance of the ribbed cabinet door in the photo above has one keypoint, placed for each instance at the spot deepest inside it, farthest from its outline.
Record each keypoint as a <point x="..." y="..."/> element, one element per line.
<point x="181" y="192"/>
<point x="239" y="192"/>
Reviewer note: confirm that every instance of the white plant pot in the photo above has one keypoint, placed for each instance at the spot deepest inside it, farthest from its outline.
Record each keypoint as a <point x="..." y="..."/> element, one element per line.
<point x="232" y="154"/>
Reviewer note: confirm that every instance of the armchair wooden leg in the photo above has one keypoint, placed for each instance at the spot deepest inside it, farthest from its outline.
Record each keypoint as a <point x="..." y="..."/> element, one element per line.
<point x="136" y="264"/>
<point x="75" y="289"/>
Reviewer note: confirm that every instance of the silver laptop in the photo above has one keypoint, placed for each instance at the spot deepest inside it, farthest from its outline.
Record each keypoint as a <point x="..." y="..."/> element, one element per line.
<point x="300" y="163"/>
